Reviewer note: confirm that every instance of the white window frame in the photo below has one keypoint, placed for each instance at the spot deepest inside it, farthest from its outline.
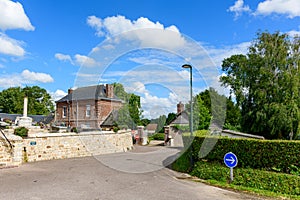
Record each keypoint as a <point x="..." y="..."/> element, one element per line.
<point x="64" y="112"/>
<point x="88" y="111"/>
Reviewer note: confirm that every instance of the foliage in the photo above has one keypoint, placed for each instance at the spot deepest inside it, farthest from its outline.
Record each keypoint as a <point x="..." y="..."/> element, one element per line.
<point x="263" y="180"/>
<point x="39" y="101"/>
<point x="182" y="128"/>
<point x="182" y="164"/>
<point x="170" y="118"/>
<point x="161" y="122"/>
<point x="130" y="113"/>
<point x="201" y="115"/>
<point x="266" y="85"/>
<point x="157" y="136"/>
<point x="21" y="131"/>
<point x="251" y="153"/>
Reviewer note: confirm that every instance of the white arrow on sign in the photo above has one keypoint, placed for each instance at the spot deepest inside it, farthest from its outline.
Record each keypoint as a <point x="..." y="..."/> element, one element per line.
<point x="232" y="160"/>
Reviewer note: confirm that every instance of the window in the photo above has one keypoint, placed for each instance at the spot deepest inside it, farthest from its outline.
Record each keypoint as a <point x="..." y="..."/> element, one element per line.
<point x="64" y="114"/>
<point x="88" y="111"/>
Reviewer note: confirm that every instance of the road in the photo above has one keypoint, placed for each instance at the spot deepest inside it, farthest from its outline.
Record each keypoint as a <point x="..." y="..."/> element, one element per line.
<point x="139" y="174"/>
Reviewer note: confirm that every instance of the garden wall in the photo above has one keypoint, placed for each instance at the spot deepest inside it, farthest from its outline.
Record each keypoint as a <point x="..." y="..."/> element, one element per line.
<point x="62" y="146"/>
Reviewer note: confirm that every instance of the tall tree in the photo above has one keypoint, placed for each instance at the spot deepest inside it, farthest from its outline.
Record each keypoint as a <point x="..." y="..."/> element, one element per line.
<point x="130" y="113"/>
<point x="39" y="101"/>
<point x="265" y="83"/>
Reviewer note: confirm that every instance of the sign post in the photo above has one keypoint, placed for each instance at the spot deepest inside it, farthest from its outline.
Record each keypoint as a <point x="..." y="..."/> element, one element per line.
<point x="230" y="161"/>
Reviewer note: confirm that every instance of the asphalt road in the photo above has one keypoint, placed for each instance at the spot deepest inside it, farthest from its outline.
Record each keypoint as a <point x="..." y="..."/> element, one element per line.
<point x="139" y="174"/>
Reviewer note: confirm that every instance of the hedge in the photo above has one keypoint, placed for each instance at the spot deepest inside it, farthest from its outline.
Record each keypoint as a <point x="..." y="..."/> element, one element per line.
<point x="283" y="155"/>
<point x="259" y="179"/>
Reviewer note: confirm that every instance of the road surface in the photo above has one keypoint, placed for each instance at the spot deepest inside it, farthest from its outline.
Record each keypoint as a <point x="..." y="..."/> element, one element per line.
<point x="139" y="174"/>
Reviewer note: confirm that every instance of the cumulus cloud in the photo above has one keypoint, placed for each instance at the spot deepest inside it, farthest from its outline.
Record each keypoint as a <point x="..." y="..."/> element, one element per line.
<point x="63" y="57"/>
<point x="24" y="78"/>
<point x="85" y="60"/>
<point x="36" y="76"/>
<point x="79" y="60"/>
<point x="239" y="8"/>
<point x="58" y="94"/>
<point x="115" y="25"/>
<point x="10" y="46"/>
<point x="291" y="8"/>
<point x="12" y="16"/>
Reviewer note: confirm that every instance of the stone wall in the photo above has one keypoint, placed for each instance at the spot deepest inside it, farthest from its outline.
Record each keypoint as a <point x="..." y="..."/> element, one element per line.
<point x="55" y="146"/>
<point x="10" y="153"/>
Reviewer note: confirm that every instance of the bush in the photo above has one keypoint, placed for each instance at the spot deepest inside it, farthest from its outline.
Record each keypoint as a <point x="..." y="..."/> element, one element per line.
<point x="21" y="131"/>
<point x="263" y="180"/>
<point x="282" y="155"/>
<point x="157" y="136"/>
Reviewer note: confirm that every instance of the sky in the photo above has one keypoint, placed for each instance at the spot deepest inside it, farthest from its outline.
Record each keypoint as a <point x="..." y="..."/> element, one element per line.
<point x="62" y="44"/>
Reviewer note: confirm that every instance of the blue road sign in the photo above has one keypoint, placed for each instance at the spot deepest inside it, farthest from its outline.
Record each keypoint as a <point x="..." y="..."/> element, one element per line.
<point x="230" y="160"/>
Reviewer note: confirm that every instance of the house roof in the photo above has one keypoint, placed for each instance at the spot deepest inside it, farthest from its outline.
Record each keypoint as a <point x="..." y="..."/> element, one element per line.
<point x="95" y="92"/>
<point x="151" y="127"/>
<point x="182" y="118"/>
<point x="36" y="118"/>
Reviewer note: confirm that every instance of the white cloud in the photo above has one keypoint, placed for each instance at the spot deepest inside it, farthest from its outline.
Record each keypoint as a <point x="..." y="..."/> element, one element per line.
<point x="238" y="8"/>
<point x="58" y="94"/>
<point x="36" y="76"/>
<point x="293" y="33"/>
<point x="10" y="46"/>
<point x="63" y="57"/>
<point x="79" y="60"/>
<point x="291" y="8"/>
<point x="218" y="54"/>
<point x="12" y="16"/>
<point x="85" y="61"/>
<point x="115" y="25"/>
<point x="24" y="78"/>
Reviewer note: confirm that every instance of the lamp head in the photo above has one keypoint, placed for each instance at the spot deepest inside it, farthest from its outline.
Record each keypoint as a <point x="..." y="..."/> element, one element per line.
<point x="187" y="66"/>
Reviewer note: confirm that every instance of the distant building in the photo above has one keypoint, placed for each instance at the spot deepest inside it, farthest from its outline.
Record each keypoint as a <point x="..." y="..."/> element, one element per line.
<point x="151" y="128"/>
<point x="87" y="107"/>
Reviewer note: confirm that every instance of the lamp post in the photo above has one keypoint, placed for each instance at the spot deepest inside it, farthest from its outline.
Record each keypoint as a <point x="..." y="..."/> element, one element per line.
<point x="187" y="66"/>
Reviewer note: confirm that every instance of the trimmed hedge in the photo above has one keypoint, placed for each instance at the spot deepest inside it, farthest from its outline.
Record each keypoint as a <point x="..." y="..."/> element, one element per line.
<point x="21" y="131"/>
<point x="157" y="136"/>
<point x="263" y="180"/>
<point x="276" y="155"/>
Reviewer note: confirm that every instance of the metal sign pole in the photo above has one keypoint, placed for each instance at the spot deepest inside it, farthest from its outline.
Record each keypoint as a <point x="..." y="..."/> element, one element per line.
<point x="231" y="174"/>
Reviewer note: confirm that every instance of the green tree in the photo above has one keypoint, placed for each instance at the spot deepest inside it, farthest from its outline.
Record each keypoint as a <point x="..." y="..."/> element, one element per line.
<point x="39" y="101"/>
<point x="130" y="114"/>
<point x="222" y="105"/>
<point x="201" y="114"/>
<point x="265" y="83"/>
<point x="170" y="118"/>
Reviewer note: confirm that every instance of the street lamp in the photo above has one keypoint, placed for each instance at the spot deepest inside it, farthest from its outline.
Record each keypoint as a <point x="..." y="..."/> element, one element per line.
<point x="187" y="66"/>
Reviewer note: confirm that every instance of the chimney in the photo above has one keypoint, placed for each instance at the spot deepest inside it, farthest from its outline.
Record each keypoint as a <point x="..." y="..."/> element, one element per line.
<point x="180" y="107"/>
<point x="70" y="91"/>
<point x="109" y="91"/>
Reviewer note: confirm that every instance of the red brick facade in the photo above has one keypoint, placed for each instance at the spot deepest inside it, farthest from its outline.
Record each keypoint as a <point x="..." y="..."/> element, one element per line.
<point x="87" y="113"/>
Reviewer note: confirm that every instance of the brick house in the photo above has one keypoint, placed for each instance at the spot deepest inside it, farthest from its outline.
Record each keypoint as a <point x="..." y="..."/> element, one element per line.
<point x="87" y="107"/>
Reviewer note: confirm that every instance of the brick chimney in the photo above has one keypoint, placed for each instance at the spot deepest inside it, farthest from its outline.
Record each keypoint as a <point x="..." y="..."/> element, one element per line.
<point x="180" y="107"/>
<point x="70" y="90"/>
<point x="109" y="91"/>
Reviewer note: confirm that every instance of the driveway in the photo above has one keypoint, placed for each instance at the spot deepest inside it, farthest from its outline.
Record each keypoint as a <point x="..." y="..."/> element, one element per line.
<point x="138" y="174"/>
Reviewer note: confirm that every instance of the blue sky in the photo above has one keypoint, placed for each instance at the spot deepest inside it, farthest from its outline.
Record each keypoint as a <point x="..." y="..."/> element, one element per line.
<point x="59" y="44"/>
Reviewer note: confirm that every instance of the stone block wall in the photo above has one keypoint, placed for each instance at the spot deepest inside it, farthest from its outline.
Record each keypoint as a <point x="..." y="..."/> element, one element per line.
<point x="10" y="156"/>
<point x="64" y="146"/>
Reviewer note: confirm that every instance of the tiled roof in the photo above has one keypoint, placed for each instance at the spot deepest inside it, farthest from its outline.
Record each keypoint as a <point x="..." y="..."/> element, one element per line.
<point x="95" y="92"/>
<point x="182" y="119"/>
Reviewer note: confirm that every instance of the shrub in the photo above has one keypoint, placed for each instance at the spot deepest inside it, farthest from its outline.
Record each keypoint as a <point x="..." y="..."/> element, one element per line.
<point x="21" y="131"/>
<point x="282" y="155"/>
<point x="259" y="179"/>
<point x="157" y="136"/>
